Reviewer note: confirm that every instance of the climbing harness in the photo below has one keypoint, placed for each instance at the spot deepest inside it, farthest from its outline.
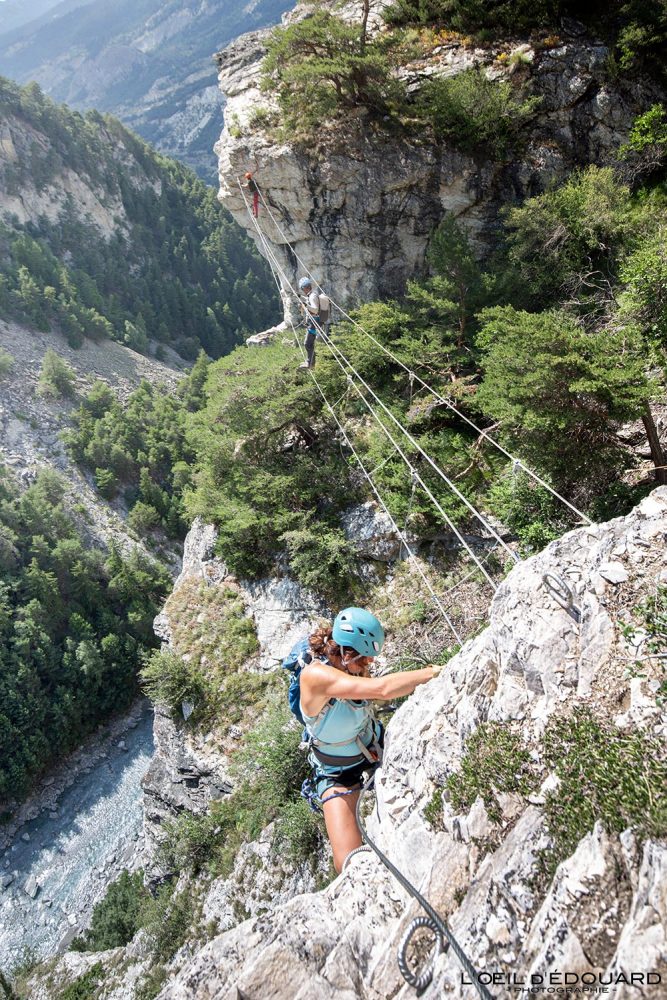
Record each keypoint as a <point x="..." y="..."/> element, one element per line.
<point x="309" y="793"/>
<point x="562" y="593"/>
<point x="433" y="920"/>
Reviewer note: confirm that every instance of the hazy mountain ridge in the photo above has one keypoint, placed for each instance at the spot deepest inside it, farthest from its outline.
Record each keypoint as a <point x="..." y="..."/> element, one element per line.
<point x="150" y="63"/>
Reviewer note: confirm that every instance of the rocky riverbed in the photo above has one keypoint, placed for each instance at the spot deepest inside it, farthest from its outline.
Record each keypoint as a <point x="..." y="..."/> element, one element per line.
<point x="72" y="840"/>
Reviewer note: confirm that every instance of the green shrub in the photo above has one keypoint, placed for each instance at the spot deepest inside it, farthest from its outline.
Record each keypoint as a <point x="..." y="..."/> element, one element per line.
<point x="490" y="16"/>
<point x="650" y="625"/>
<point x="433" y="811"/>
<point x="561" y="391"/>
<point x="6" y="989"/>
<point x="320" y="558"/>
<point x="644" y="299"/>
<point x="494" y="760"/>
<point x="86" y="986"/>
<point x="167" y="917"/>
<point x="169" y="680"/>
<point x="56" y="378"/>
<point x="569" y="240"/>
<point x="150" y="985"/>
<point x="6" y="362"/>
<point x="323" y="66"/>
<point x="531" y="513"/>
<point x="475" y="114"/>
<point x="298" y="834"/>
<point x="272" y="756"/>
<point x="264" y="459"/>
<point x="116" y="918"/>
<point x="143" y="518"/>
<point x="106" y="482"/>
<point x="648" y="133"/>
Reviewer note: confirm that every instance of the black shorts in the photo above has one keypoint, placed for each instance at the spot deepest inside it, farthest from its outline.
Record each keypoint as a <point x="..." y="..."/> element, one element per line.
<point x="349" y="778"/>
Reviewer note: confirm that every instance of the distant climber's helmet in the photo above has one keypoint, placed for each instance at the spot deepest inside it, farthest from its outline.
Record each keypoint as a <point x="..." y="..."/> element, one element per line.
<point x="359" y="629"/>
<point x="305" y="283"/>
<point x="248" y="176"/>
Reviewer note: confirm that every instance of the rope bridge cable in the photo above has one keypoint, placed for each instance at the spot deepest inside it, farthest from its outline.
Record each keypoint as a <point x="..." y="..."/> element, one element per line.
<point x="274" y="262"/>
<point x="414" y="376"/>
<point x="412" y="558"/>
<point x="339" y="354"/>
<point x="435" y="921"/>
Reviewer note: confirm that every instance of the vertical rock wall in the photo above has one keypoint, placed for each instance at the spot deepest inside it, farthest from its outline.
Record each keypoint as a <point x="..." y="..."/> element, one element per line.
<point x="359" y="207"/>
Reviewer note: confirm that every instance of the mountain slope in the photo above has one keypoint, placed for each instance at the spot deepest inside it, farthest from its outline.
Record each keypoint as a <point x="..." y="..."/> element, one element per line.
<point x="147" y="61"/>
<point x="101" y="237"/>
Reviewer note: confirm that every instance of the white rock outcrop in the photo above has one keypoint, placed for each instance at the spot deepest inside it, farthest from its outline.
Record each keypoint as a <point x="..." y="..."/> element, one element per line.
<point x="605" y="911"/>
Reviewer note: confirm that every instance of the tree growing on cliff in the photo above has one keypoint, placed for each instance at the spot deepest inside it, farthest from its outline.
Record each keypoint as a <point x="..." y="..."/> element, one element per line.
<point x="561" y="392"/>
<point x="322" y="66"/>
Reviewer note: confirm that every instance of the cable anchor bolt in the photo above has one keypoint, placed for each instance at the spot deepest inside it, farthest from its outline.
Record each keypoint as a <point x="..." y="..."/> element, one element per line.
<point x="561" y="591"/>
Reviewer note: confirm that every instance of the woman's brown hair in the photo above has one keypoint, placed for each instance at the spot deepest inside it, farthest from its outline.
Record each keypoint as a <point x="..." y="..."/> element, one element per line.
<point x="323" y="646"/>
<point x="321" y="643"/>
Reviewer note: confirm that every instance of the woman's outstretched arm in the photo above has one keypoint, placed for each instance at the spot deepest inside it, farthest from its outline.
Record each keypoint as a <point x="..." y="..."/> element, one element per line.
<point x="321" y="681"/>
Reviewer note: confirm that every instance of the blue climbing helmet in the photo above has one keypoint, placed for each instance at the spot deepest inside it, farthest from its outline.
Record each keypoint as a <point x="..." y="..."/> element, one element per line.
<point x="305" y="283"/>
<point x="359" y="629"/>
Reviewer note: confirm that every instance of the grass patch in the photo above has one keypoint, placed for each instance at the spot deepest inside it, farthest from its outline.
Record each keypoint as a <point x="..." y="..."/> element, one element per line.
<point x="495" y="760"/>
<point x="212" y="638"/>
<point x="606" y="774"/>
<point x="211" y="622"/>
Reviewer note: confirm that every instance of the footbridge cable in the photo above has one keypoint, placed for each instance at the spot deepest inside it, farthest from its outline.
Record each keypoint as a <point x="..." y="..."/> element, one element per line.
<point x="425" y="385"/>
<point x="337" y="356"/>
<point x="412" y="558"/>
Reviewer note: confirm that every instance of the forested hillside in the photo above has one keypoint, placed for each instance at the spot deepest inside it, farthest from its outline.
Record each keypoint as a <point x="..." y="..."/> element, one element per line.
<point x="102" y="237"/>
<point x="74" y="622"/>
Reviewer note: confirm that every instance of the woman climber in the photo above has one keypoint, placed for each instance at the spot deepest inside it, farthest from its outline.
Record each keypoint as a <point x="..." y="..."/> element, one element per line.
<point x="344" y="738"/>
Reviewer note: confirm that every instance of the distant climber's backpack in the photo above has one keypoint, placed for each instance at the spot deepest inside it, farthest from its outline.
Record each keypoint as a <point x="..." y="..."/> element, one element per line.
<point x="325" y="308"/>
<point x="295" y="661"/>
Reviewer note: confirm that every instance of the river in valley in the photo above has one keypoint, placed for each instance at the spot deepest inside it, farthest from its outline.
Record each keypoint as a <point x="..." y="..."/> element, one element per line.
<point x="59" y="863"/>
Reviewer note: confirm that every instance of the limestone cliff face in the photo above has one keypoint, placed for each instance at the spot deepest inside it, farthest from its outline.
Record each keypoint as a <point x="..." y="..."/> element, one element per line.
<point x="189" y="771"/>
<point x="604" y="912"/>
<point x="361" y="216"/>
